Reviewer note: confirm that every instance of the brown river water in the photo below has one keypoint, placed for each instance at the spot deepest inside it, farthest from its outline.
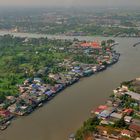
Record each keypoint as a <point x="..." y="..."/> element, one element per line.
<point x="67" y="111"/>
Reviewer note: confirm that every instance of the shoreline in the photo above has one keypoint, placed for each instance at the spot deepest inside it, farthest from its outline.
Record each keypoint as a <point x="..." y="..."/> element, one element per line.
<point x="115" y="119"/>
<point x="39" y="35"/>
<point x="62" y="87"/>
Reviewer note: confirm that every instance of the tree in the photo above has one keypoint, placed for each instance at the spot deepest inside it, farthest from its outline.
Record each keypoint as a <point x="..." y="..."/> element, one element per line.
<point x="103" y="43"/>
<point x="120" y="123"/>
<point x="89" y="126"/>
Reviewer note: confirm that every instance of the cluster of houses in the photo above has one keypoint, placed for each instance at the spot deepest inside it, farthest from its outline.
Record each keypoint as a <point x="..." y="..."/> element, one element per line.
<point x="34" y="91"/>
<point x="94" y="50"/>
<point x="117" y="109"/>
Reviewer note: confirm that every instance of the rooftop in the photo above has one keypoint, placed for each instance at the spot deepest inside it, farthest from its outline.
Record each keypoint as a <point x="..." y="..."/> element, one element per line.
<point x="94" y="44"/>
<point x="133" y="95"/>
<point x="116" y="115"/>
<point x="134" y="127"/>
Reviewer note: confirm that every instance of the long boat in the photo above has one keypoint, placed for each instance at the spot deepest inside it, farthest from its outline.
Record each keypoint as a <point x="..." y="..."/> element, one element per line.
<point x="136" y="44"/>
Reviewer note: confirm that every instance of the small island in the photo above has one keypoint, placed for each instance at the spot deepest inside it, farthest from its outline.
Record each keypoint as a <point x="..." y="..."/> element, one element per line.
<point x="118" y="118"/>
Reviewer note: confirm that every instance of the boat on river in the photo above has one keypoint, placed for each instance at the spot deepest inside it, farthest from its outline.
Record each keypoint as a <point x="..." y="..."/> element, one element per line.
<point x="136" y="44"/>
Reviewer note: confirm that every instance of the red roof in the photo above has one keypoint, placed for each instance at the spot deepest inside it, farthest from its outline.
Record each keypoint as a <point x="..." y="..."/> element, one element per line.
<point x="98" y="110"/>
<point x="108" y="49"/>
<point x="94" y="44"/>
<point x="128" y="111"/>
<point x="126" y="132"/>
<point x="102" y="107"/>
<point x="4" y="113"/>
<point x="134" y="127"/>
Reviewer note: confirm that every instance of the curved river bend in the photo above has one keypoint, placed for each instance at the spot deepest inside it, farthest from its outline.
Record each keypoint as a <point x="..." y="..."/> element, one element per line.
<point x="66" y="112"/>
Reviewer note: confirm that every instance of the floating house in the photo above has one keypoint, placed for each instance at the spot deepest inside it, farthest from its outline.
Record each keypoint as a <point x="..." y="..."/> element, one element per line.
<point x="88" y="72"/>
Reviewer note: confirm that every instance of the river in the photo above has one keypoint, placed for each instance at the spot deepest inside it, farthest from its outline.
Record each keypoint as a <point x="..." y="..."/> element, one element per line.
<point x="67" y="111"/>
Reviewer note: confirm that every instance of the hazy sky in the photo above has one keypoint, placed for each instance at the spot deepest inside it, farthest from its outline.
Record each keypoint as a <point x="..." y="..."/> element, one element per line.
<point x="69" y="2"/>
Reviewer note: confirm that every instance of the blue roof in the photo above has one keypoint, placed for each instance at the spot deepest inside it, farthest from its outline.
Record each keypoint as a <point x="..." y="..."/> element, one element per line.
<point x="59" y="87"/>
<point x="77" y="71"/>
<point x="49" y="93"/>
<point x="35" y="86"/>
<point x="105" y="114"/>
<point x="77" y="68"/>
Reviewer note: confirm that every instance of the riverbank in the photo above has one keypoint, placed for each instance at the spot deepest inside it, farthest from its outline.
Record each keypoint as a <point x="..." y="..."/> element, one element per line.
<point x="118" y="118"/>
<point x="86" y="58"/>
<point x="57" y="36"/>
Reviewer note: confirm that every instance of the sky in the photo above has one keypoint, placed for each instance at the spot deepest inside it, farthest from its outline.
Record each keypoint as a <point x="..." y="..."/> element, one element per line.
<point x="67" y="3"/>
